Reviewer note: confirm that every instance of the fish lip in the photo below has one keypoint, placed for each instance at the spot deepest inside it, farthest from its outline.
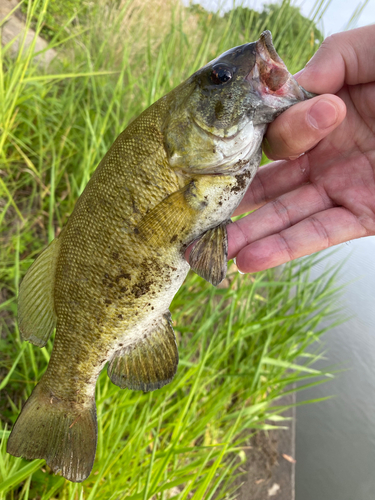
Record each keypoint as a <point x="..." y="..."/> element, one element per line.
<point x="270" y="77"/>
<point x="270" y="67"/>
<point x="265" y="43"/>
<point x="264" y="48"/>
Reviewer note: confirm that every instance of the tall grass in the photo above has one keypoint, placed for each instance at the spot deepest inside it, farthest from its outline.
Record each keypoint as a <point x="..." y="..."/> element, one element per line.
<point x="239" y="344"/>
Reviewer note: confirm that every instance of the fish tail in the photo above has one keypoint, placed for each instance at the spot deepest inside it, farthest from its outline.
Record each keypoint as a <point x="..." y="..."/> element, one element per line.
<point x="64" y="433"/>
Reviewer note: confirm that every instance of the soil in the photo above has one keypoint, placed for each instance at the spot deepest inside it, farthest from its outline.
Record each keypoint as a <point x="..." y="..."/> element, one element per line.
<point x="270" y="468"/>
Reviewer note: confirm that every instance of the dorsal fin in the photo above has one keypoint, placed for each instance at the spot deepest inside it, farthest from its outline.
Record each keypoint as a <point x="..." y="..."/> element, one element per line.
<point x="36" y="312"/>
<point x="148" y="364"/>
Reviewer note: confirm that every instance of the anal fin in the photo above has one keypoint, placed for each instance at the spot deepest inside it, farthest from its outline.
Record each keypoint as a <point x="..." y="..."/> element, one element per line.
<point x="209" y="255"/>
<point x="148" y="364"/>
<point x="36" y="312"/>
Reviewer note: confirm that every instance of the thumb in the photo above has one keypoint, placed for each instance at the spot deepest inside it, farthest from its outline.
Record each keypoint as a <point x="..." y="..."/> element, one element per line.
<point x="302" y="126"/>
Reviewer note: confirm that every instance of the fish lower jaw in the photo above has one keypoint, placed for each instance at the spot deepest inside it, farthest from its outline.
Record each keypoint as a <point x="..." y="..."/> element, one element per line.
<point x="238" y="152"/>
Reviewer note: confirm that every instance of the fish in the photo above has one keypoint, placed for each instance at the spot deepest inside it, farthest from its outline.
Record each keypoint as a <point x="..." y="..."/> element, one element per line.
<point x="173" y="177"/>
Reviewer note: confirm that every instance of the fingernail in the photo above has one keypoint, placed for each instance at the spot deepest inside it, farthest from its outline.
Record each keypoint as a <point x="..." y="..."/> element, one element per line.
<point x="296" y="156"/>
<point x="298" y="74"/>
<point x="322" y="115"/>
<point x="235" y="261"/>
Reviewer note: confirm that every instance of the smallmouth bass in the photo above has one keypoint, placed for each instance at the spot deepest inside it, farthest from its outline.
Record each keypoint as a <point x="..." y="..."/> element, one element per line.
<point x="174" y="176"/>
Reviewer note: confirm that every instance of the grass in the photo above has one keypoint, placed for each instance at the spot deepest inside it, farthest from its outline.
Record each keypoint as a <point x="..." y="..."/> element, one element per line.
<point x="241" y="346"/>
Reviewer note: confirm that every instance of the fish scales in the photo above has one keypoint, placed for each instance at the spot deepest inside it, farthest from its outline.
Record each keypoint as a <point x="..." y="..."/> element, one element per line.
<point x="173" y="177"/>
<point x="97" y="282"/>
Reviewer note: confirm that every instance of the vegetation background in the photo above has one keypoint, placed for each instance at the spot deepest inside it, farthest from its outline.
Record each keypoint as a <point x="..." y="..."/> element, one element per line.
<point x="242" y="345"/>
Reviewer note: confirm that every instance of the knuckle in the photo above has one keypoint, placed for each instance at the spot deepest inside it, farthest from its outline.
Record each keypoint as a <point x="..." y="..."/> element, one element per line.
<point x="282" y="212"/>
<point x="285" y="248"/>
<point x="321" y="232"/>
<point x="258" y="191"/>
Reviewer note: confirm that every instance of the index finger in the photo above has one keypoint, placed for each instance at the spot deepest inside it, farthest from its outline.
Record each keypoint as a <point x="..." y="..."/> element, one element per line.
<point x="342" y="58"/>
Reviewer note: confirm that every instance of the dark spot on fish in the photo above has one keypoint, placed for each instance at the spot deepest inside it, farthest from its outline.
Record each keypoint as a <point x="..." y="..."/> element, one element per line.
<point x="122" y="275"/>
<point x="115" y="255"/>
<point x="123" y="289"/>
<point x="120" y="345"/>
<point x="135" y="208"/>
<point x="107" y="301"/>
<point x="220" y="203"/>
<point x="136" y="230"/>
<point x="111" y="285"/>
<point x="183" y="229"/>
<point x="37" y="407"/>
<point x="241" y="178"/>
<point x="173" y="239"/>
<point x="152" y="308"/>
<point x="104" y="203"/>
<point x="120" y="316"/>
<point x="140" y="289"/>
<point x="219" y="107"/>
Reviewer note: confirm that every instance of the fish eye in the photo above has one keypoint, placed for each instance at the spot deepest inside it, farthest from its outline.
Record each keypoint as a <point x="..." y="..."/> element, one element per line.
<point x="220" y="74"/>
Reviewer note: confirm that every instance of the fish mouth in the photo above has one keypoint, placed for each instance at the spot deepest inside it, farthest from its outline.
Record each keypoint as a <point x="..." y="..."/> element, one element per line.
<point x="265" y="46"/>
<point x="272" y="69"/>
<point x="270" y="75"/>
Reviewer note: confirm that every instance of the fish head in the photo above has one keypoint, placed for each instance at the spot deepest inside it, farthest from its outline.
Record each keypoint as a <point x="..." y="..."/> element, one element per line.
<point x="227" y="104"/>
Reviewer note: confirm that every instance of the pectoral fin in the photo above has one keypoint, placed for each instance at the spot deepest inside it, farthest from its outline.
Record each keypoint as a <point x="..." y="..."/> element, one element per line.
<point x="169" y="218"/>
<point x="209" y="255"/>
<point x="148" y="364"/>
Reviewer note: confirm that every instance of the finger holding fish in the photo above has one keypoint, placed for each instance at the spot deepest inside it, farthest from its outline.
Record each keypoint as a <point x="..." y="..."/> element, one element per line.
<point x="337" y="169"/>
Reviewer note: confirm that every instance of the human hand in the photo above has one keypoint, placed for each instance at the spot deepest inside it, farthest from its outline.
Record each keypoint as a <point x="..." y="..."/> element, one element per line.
<point x="326" y="196"/>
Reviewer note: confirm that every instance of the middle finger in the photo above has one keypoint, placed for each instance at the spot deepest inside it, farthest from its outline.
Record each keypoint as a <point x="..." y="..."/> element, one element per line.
<point x="279" y="214"/>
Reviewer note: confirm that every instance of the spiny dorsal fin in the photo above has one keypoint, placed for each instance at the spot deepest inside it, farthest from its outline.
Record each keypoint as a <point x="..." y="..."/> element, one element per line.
<point x="36" y="312"/>
<point x="148" y="364"/>
<point x="209" y="255"/>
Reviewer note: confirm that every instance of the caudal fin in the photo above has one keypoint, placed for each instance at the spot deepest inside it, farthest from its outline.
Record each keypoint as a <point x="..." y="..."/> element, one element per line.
<point x="62" y="432"/>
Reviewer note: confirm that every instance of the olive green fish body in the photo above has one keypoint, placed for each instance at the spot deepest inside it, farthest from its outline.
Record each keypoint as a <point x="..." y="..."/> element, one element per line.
<point x="174" y="176"/>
